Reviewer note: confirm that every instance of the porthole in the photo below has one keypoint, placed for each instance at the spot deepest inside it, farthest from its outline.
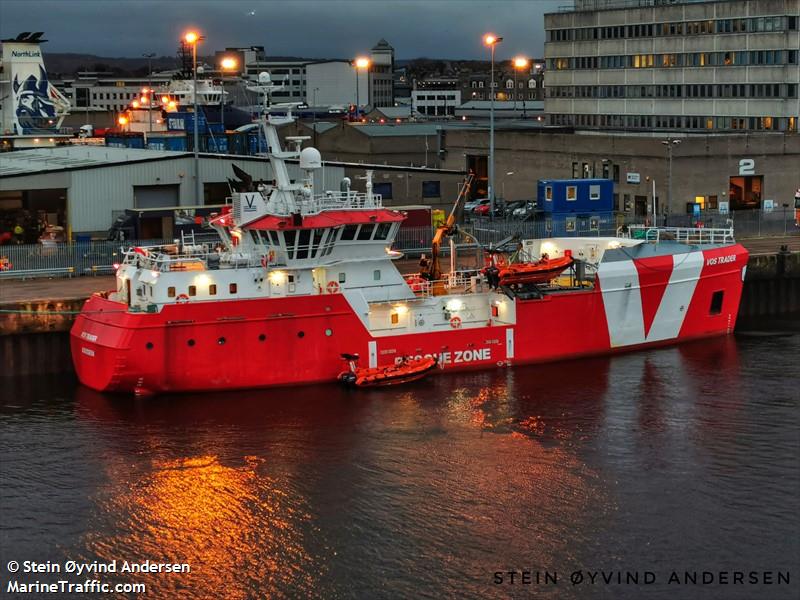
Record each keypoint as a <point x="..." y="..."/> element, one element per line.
<point x="329" y="332"/>
<point x="262" y="337"/>
<point x="149" y="345"/>
<point x="221" y="341"/>
<point x="190" y="342"/>
<point x="301" y="334"/>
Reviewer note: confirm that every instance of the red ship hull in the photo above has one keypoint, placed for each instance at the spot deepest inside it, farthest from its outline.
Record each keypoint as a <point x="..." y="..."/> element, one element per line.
<point x="300" y="340"/>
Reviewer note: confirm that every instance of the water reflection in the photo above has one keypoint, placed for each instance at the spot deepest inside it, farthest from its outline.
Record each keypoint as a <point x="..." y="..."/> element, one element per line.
<point x="659" y="456"/>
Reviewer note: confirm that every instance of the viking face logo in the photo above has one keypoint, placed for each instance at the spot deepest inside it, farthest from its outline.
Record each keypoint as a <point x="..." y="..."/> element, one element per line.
<point x="33" y="102"/>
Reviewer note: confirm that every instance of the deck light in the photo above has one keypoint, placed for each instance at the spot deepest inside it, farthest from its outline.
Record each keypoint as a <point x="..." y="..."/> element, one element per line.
<point x="454" y="305"/>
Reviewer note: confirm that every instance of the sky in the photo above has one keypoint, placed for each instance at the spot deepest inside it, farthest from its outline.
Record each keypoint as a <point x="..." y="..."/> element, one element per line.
<point x="306" y="28"/>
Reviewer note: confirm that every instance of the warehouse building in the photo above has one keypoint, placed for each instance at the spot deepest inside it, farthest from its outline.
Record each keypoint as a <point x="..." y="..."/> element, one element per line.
<point x="84" y="188"/>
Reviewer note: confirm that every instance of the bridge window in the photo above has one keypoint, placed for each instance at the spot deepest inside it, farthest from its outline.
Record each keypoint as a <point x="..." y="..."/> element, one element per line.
<point x="349" y="232"/>
<point x="302" y="243"/>
<point x="382" y="231"/>
<point x="366" y="232"/>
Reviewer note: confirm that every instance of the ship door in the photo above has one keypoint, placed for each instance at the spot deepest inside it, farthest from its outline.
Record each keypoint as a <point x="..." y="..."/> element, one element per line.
<point x="128" y="290"/>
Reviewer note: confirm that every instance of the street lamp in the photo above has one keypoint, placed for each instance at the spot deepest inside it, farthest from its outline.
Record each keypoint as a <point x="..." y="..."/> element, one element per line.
<point x="193" y="38"/>
<point x="226" y="64"/>
<point x="149" y="58"/>
<point x="491" y="40"/>
<point x="520" y="62"/>
<point x="670" y="144"/>
<point x="359" y="63"/>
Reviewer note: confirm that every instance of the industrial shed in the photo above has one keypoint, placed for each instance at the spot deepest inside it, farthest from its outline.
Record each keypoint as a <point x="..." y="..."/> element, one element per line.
<point x="84" y="188"/>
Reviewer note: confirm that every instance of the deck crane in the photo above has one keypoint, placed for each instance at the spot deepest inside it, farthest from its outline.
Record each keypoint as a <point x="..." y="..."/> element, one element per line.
<point x="449" y="229"/>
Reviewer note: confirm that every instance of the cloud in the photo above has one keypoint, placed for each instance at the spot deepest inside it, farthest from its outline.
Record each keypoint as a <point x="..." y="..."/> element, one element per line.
<point x="307" y="28"/>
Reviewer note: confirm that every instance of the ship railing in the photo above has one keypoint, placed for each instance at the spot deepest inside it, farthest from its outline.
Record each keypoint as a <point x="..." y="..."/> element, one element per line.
<point x="456" y="280"/>
<point x="340" y="201"/>
<point x="684" y="235"/>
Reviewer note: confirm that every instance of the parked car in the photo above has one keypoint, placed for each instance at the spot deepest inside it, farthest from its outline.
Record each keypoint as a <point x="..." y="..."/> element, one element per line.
<point x="521" y="212"/>
<point x="471" y="205"/>
<point x="510" y="207"/>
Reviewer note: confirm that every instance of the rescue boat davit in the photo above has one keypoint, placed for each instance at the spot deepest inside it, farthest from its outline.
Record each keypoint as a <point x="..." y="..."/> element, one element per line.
<point x="298" y="277"/>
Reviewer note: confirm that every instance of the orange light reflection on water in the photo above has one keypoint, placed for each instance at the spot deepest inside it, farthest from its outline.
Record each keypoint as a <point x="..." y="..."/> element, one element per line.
<point x="236" y="528"/>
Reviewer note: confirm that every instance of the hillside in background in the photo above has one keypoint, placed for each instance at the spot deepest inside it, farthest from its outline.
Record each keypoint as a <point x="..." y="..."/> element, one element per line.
<point x="59" y="64"/>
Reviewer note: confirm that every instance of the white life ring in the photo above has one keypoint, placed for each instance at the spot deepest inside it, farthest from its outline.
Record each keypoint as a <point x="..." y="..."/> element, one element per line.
<point x="455" y="322"/>
<point x="333" y="287"/>
<point x="182" y="299"/>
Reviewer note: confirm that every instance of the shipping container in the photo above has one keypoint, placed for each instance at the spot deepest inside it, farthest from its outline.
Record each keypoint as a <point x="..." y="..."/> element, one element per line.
<point x="577" y="196"/>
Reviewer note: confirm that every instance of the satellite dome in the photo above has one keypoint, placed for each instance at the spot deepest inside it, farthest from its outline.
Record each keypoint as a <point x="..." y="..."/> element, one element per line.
<point x="310" y="158"/>
<point x="264" y="78"/>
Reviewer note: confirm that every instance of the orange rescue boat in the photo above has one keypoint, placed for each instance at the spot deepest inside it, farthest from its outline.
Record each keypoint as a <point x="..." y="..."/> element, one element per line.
<point x="409" y="369"/>
<point x="541" y="271"/>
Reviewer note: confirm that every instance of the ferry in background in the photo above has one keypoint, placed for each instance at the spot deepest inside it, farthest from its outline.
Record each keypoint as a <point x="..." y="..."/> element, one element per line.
<point x="302" y="277"/>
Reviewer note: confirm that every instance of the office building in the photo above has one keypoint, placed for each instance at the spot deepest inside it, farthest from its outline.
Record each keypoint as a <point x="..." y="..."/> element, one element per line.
<point x="677" y="65"/>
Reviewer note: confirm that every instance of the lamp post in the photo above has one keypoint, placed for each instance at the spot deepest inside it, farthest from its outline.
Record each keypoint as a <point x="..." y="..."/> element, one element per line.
<point x="149" y="58"/>
<point x="227" y="64"/>
<point x="359" y="63"/>
<point x="520" y="62"/>
<point x="670" y="144"/>
<point x="491" y="40"/>
<point x="314" y="113"/>
<point x="193" y="38"/>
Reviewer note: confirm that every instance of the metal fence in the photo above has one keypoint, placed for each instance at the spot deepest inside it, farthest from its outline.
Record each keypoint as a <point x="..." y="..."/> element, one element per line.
<point x="98" y="258"/>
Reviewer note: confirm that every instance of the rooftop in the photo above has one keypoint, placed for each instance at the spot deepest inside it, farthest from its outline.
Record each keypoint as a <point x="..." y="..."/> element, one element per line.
<point x="74" y="157"/>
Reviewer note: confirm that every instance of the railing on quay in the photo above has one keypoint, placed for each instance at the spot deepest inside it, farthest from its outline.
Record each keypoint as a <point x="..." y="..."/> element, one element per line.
<point x="24" y="261"/>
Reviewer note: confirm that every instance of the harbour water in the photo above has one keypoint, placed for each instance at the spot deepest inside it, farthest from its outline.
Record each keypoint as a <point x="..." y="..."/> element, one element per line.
<point x="684" y="459"/>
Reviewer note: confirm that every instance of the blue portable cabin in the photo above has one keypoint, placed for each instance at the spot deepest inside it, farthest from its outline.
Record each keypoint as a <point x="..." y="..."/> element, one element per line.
<point x="580" y="196"/>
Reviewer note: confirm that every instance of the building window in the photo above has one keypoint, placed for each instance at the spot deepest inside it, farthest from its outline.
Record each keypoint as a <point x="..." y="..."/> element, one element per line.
<point x="431" y="189"/>
<point x="572" y="193"/>
<point x="594" y="192"/>
<point x="548" y="193"/>
<point x="384" y="189"/>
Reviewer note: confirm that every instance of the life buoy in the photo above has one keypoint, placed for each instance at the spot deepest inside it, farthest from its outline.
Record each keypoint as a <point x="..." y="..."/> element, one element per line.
<point x="333" y="287"/>
<point x="455" y="322"/>
<point x="182" y="299"/>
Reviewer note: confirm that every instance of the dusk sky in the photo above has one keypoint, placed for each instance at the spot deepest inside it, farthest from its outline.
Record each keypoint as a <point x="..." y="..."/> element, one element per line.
<point x="307" y="28"/>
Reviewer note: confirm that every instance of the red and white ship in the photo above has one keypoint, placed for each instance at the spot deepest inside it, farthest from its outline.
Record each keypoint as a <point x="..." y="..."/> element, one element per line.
<point x="301" y="278"/>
